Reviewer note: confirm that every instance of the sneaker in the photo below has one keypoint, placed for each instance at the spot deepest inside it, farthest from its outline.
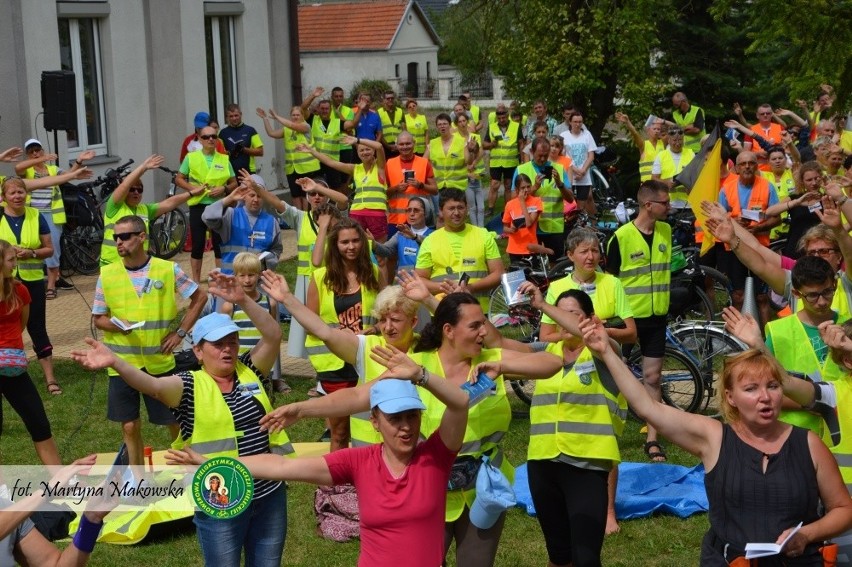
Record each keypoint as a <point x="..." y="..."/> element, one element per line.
<point x="62" y="284"/>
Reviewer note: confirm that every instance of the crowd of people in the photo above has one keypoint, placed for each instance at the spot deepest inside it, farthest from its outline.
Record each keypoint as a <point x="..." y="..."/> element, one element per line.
<point x="394" y="270"/>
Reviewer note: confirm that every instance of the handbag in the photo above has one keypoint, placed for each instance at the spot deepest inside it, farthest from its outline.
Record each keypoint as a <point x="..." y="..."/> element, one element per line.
<point x="13" y="362"/>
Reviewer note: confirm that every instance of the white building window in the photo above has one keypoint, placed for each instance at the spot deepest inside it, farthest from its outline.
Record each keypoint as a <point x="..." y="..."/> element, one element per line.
<point x="80" y="51"/>
<point x="221" y="64"/>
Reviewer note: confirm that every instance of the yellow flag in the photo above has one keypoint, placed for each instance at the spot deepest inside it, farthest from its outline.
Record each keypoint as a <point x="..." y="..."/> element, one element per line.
<point x="706" y="188"/>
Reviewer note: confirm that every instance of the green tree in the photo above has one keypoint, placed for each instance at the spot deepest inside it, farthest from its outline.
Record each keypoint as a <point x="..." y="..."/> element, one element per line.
<point x="468" y="30"/>
<point x="589" y="52"/>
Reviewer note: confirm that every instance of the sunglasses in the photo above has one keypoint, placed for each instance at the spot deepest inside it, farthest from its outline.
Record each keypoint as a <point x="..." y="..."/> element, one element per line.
<point x="125" y="235"/>
<point x="208" y="137"/>
<point x="414" y="210"/>
<point x="135" y="190"/>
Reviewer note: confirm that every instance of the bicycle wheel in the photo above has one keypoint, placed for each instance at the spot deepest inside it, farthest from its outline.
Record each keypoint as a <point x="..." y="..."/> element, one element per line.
<point x="721" y="292"/>
<point x="83" y="249"/>
<point x="523" y="389"/>
<point x="680" y="382"/>
<point x="168" y="234"/>
<point x="600" y="186"/>
<point x="709" y="345"/>
<point x="519" y="322"/>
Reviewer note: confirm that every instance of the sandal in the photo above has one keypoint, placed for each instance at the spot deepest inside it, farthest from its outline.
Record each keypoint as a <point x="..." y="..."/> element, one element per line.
<point x="281" y="387"/>
<point x="658" y="456"/>
<point x="54" y="389"/>
<point x="50" y="294"/>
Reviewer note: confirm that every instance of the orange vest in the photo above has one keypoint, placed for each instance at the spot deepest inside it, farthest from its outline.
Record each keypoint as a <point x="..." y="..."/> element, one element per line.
<point x="758" y="200"/>
<point x="398" y="203"/>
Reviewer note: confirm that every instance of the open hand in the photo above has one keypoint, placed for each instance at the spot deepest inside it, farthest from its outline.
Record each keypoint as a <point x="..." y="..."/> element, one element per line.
<point x="413" y="286"/>
<point x="98" y="356"/>
<point x="280" y="417"/>
<point x="185" y="456"/>
<point x="154" y="161"/>
<point x="743" y="326"/>
<point x="226" y="287"/>
<point x="274" y="285"/>
<point x="399" y="364"/>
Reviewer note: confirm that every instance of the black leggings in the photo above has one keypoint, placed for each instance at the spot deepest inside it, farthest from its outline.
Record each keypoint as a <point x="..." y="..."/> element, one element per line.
<point x="570" y="505"/>
<point x="37" y="323"/>
<point x="198" y="232"/>
<point x="24" y="399"/>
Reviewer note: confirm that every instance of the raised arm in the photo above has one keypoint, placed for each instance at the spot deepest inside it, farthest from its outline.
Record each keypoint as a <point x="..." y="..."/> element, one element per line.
<point x="343" y="344"/>
<point x="346" y="168"/>
<point x="360" y="110"/>
<point x="302" y="126"/>
<point x="308" y="102"/>
<point x="376" y="146"/>
<point x="21" y="167"/>
<point x="638" y="140"/>
<point x="267" y="125"/>
<point x="120" y="194"/>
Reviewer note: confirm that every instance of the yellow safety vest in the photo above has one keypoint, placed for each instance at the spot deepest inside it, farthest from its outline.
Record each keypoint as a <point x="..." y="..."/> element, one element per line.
<point x="843" y="451"/>
<point x="370" y="192"/>
<point x="344" y="113"/>
<point x="305" y="244"/>
<point x="417" y="127"/>
<point x="295" y="161"/>
<point x="447" y="266"/>
<point x="391" y="127"/>
<point x="326" y="139"/>
<point x="361" y="430"/>
<point x="57" y="205"/>
<point x="109" y="253"/>
<point x="479" y="168"/>
<point x="690" y="141"/>
<point x="321" y="357"/>
<point x="28" y="269"/>
<point x="474" y="113"/>
<point x="552" y="218"/>
<point x="646" y="274"/>
<point x="783" y="187"/>
<point x="487" y="423"/>
<point x="505" y="153"/>
<point x="841" y="302"/>
<point x="791" y="346"/>
<point x="156" y="306"/>
<point x="216" y="174"/>
<point x="668" y="170"/>
<point x="646" y="160"/>
<point x="450" y="168"/>
<point x="214" y="433"/>
<point x="573" y="414"/>
<point x="604" y="295"/>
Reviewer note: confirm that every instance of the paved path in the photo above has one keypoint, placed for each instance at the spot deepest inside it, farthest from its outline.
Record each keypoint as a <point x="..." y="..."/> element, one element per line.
<point x="69" y="315"/>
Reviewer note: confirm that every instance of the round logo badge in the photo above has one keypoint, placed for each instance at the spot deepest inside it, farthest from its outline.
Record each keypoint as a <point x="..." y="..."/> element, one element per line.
<point x="585" y="379"/>
<point x="158" y="284"/>
<point x="662" y="247"/>
<point x="222" y="488"/>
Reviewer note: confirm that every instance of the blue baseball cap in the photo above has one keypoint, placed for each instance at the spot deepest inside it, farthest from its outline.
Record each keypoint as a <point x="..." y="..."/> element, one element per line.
<point x="202" y="119"/>
<point x="494" y="495"/>
<point x="213" y="327"/>
<point x="394" y="396"/>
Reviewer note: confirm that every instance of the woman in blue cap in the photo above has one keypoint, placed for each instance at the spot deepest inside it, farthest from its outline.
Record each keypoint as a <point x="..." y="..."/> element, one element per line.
<point x="400" y="481"/>
<point x="218" y="409"/>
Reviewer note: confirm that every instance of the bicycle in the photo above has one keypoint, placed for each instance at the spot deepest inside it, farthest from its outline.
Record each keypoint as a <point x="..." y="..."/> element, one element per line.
<point x="167" y="233"/>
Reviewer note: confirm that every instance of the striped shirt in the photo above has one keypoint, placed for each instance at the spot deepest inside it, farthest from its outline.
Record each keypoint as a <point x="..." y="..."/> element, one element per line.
<point x="246" y="411"/>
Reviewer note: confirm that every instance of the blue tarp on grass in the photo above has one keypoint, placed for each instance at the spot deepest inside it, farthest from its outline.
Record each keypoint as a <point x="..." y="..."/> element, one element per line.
<point x="643" y="489"/>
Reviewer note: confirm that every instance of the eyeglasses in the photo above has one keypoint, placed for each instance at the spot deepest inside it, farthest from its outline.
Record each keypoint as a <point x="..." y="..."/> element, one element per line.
<point x="208" y="137"/>
<point x="822" y="252"/>
<point x="414" y="210"/>
<point x="764" y="114"/>
<point x="665" y="203"/>
<point x="813" y="297"/>
<point x="125" y="235"/>
<point x="135" y="190"/>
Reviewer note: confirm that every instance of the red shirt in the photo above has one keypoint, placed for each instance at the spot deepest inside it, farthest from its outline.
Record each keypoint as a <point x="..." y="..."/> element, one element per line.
<point x="220" y="147"/>
<point x="402" y="519"/>
<point x="11" y="333"/>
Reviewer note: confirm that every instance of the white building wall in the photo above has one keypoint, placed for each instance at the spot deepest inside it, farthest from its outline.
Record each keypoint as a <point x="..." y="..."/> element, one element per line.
<point x="343" y="69"/>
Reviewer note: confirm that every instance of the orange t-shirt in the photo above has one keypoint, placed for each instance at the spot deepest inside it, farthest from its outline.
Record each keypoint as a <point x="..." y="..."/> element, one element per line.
<point x="771" y="134"/>
<point x="519" y="239"/>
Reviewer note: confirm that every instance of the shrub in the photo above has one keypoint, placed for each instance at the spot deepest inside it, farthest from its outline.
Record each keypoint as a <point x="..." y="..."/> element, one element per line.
<point x="376" y="88"/>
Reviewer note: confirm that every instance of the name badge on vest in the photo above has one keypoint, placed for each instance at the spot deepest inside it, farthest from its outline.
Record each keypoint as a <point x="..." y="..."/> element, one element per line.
<point x="455" y="155"/>
<point x="815" y="207"/>
<point x="249" y="390"/>
<point x="364" y="180"/>
<point x="637" y="255"/>
<point x="469" y="261"/>
<point x="588" y="288"/>
<point x="584" y="372"/>
<point x="217" y="166"/>
<point x="409" y="251"/>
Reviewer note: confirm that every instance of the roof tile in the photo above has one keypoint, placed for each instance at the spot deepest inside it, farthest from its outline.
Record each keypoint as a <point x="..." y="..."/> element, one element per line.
<point x="349" y="26"/>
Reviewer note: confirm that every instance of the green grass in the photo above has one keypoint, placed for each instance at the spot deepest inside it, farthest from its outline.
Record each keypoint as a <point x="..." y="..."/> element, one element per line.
<point x="80" y="427"/>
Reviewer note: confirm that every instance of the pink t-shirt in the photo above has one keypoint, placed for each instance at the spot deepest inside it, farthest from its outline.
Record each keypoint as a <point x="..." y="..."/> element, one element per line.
<point x="402" y="519"/>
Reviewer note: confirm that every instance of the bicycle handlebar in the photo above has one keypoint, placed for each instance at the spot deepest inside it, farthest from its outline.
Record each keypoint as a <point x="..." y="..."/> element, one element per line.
<point x="167" y="170"/>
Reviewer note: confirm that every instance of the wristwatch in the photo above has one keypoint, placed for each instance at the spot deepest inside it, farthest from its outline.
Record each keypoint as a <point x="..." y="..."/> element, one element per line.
<point x="34" y="253"/>
<point x="181" y="333"/>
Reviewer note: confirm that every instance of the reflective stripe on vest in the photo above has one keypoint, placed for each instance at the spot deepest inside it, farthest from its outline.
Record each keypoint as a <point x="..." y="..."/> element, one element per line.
<point x="783" y="187"/>
<point x="758" y="200"/>
<point x="843" y="450"/>
<point x="575" y="415"/>
<point x="690" y="141"/>
<point x="646" y="160"/>
<point x="645" y="273"/>
<point x="370" y="192"/>
<point x="326" y="139"/>
<point x="216" y="174"/>
<point x="505" y="153"/>
<point x="399" y="202"/>
<point x="417" y="127"/>
<point x="487" y="422"/>
<point x="446" y="266"/>
<point x="27" y="269"/>
<point x="667" y="165"/>
<point x="791" y="346"/>
<point x="305" y="244"/>
<point x="295" y="161"/>
<point x="242" y="232"/>
<point x="391" y="127"/>
<point x="450" y="168"/>
<point x="156" y="306"/>
<point x="109" y="253"/>
<point x="213" y="430"/>
<point x="552" y="218"/>
<point x="322" y="359"/>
